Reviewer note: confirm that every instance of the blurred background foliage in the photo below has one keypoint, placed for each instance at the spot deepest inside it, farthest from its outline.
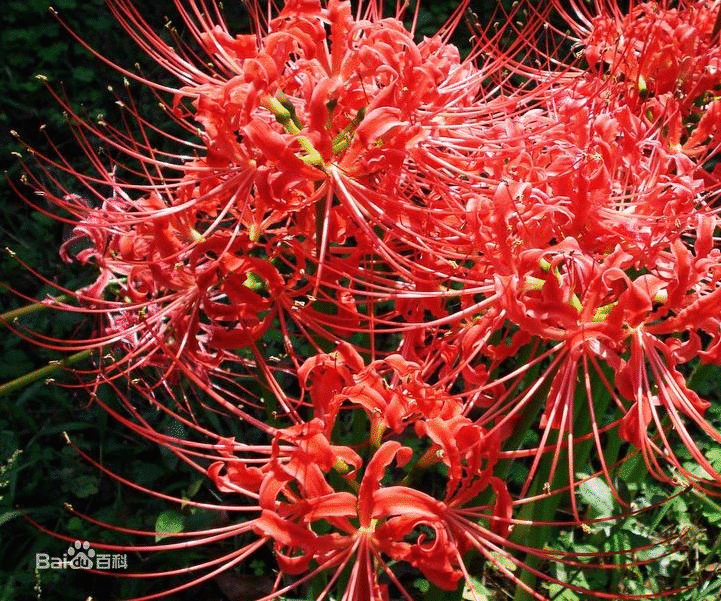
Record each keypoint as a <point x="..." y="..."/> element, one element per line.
<point x="39" y="472"/>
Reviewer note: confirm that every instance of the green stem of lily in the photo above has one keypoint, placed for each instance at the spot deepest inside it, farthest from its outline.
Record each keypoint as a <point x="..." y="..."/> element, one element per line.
<point x="343" y="139"/>
<point x="42" y="373"/>
<point x="9" y="316"/>
<point x="545" y="509"/>
<point x="290" y="123"/>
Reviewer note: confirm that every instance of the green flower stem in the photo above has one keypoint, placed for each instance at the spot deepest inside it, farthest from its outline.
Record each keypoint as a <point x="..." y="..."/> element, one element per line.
<point x="9" y="316"/>
<point x="710" y="503"/>
<point x="43" y="372"/>
<point x="611" y="451"/>
<point x="343" y="139"/>
<point x="529" y="415"/>
<point x="290" y="123"/>
<point x="537" y="536"/>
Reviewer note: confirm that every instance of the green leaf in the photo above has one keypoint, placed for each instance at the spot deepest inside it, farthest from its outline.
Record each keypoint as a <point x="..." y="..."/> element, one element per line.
<point x="567" y="575"/>
<point x="632" y="471"/>
<point x="193" y="489"/>
<point x="714" y="457"/>
<point x="168" y="522"/>
<point x="561" y="593"/>
<point x="703" y="378"/>
<point x="9" y="515"/>
<point x="147" y="474"/>
<point x="475" y="590"/>
<point x="175" y="429"/>
<point x="598" y="495"/>
<point x="499" y="559"/>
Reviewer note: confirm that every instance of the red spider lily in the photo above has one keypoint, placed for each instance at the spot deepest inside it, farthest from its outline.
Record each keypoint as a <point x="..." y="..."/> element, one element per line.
<point x="660" y="54"/>
<point x="375" y="523"/>
<point x="303" y="479"/>
<point x="484" y="260"/>
<point x="309" y="480"/>
<point x="342" y="119"/>
<point x="274" y="221"/>
<point x="592" y="188"/>
<point x="663" y="61"/>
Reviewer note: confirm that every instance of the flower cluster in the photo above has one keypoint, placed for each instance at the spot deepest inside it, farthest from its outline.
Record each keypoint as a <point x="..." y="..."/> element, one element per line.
<point x="414" y="263"/>
<point x="373" y="521"/>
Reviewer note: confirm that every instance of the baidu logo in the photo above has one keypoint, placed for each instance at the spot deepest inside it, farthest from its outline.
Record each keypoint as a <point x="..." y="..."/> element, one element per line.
<point x="80" y="556"/>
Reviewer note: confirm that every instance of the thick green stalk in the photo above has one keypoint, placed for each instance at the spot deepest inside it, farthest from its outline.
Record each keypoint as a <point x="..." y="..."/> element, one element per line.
<point x="530" y="414"/>
<point x="42" y="373"/>
<point x="611" y="452"/>
<point x="9" y="316"/>
<point x="536" y="536"/>
<point x="290" y="123"/>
